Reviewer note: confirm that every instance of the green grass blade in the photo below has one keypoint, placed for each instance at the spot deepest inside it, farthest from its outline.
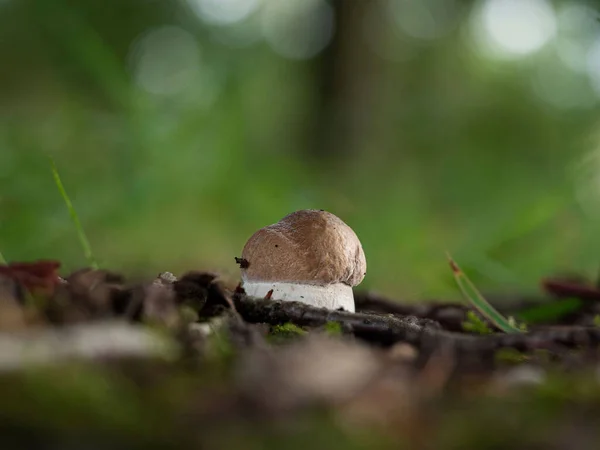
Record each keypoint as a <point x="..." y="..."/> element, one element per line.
<point x="479" y="302"/>
<point x="87" y="250"/>
<point x="2" y="260"/>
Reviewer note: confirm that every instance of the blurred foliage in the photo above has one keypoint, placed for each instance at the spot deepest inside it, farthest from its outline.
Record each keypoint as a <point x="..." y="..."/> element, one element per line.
<point x="179" y="132"/>
<point x="161" y="408"/>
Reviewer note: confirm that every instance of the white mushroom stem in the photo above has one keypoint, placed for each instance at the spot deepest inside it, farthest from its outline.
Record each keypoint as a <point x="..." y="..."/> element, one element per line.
<point x="332" y="296"/>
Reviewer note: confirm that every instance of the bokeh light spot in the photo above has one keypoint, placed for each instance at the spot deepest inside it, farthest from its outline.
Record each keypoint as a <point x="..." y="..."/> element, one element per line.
<point x="165" y="60"/>
<point x="562" y="88"/>
<point x="577" y="29"/>
<point x="241" y="35"/>
<point x="223" y="12"/>
<point x="593" y="65"/>
<point x="515" y="28"/>
<point x="298" y="30"/>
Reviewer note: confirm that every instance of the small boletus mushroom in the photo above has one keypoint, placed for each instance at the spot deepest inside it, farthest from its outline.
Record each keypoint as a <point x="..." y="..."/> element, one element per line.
<point x="310" y="256"/>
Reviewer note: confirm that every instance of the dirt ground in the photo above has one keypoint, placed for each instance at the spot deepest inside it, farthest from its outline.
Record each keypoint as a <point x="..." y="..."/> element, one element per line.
<point x="92" y="360"/>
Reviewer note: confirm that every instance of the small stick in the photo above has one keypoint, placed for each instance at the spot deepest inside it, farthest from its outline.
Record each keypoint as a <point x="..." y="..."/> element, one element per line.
<point x="423" y="333"/>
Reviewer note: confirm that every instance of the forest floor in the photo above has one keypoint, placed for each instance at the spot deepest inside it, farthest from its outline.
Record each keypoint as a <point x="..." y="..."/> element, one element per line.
<point x="92" y="360"/>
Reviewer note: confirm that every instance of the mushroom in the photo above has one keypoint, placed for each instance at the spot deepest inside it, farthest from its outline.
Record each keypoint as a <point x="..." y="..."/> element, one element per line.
<point x="310" y="256"/>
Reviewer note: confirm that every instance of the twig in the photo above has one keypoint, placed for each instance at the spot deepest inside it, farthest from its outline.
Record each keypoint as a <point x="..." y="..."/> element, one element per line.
<point x="423" y="333"/>
<point x="385" y="329"/>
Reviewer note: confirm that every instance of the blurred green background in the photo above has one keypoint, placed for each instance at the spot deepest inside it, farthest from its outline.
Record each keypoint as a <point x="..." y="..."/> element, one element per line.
<point x="181" y="127"/>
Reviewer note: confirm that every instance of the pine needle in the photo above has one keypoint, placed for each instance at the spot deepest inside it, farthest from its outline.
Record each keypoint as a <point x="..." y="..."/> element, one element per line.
<point x="480" y="303"/>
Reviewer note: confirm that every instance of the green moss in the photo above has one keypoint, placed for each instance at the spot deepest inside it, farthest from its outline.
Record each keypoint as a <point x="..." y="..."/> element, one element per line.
<point x="333" y="328"/>
<point x="285" y="332"/>
<point x="519" y="325"/>
<point x="474" y="324"/>
<point x="288" y="328"/>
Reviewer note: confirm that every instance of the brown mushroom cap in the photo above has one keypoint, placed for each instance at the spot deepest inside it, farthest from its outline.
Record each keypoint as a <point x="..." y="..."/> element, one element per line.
<point x="308" y="246"/>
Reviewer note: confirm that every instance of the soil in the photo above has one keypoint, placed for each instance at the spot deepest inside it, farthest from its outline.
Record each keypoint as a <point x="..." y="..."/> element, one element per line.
<point x="93" y="360"/>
